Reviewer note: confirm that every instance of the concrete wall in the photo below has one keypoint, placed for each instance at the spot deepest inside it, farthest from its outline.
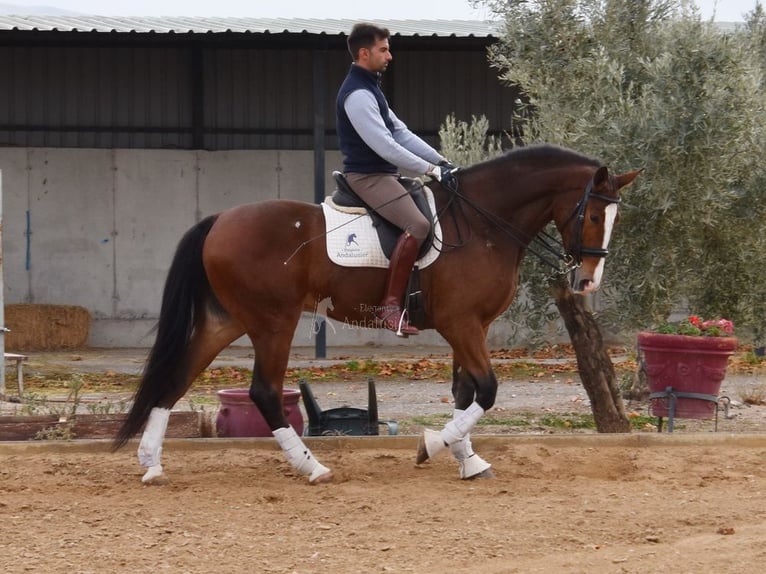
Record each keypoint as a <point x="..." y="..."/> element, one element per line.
<point x="98" y="228"/>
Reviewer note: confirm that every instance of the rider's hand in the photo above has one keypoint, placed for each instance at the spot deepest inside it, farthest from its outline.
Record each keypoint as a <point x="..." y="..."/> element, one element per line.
<point x="444" y="175"/>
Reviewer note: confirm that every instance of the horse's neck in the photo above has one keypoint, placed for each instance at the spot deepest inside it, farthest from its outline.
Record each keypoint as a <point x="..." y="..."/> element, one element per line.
<point x="522" y="199"/>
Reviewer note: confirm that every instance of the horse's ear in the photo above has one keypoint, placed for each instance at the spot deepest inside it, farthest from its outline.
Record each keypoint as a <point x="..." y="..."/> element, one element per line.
<point x="601" y="177"/>
<point x="626" y="178"/>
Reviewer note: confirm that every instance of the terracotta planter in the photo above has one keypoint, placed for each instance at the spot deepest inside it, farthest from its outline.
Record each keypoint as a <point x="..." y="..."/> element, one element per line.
<point x="239" y="417"/>
<point x="682" y="364"/>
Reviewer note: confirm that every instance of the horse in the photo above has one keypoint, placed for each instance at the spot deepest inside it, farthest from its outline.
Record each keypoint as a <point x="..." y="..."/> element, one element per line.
<point x="255" y="268"/>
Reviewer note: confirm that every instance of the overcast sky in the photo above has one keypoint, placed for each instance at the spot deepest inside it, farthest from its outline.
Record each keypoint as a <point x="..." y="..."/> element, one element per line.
<point x="724" y="10"/>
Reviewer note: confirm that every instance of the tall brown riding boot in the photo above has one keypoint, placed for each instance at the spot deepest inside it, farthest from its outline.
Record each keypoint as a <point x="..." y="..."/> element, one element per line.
<point x="390" y="311"/>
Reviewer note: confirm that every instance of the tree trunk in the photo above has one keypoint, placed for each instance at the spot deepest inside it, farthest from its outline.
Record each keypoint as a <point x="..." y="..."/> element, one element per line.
<point x="593" y="362"/>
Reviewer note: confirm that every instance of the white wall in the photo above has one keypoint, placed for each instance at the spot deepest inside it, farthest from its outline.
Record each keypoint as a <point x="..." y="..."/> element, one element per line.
<point x="103" y="226"/>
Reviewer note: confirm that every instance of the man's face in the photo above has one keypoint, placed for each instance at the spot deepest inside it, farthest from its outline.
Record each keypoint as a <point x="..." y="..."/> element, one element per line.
<point x="377" y="57"/>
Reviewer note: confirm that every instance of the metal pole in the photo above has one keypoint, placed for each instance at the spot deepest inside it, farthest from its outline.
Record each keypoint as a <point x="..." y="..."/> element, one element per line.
<point x="2" y="296"/>
<point x="320" y="344"/>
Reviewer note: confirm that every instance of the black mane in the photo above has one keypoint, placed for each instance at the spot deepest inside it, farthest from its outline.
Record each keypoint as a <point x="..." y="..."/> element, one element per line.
<point x="544" y="155"/>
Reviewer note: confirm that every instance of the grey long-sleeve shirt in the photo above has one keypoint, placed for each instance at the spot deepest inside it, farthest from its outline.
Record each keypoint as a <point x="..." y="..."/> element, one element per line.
<point x="402" y="148"/>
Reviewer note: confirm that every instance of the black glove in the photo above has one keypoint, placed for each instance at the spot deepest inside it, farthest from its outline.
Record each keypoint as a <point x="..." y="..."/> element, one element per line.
<point x="447" y="163"/>
<point x="445" y="175"/>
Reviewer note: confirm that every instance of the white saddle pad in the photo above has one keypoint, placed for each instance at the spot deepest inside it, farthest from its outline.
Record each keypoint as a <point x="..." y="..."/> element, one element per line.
<point x="352" y="241"/>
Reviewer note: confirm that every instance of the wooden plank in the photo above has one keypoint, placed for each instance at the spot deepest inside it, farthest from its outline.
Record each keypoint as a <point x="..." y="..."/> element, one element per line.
<point x="92" y="426"/>
<point x="24" y="427"/>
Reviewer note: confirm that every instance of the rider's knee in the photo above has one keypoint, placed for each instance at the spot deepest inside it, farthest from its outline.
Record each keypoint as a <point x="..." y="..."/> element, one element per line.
<point x="419" y="229"/>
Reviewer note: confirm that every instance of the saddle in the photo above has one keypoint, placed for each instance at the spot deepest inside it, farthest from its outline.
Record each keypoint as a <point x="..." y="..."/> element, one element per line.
<point x="345" y="199"/>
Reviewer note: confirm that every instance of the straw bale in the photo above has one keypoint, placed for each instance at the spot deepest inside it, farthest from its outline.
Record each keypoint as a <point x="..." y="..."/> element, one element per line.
<point x="46" y="327"/>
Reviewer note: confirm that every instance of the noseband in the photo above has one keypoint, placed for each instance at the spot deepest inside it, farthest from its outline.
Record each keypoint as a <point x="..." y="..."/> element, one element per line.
<point x="578" y="251"/>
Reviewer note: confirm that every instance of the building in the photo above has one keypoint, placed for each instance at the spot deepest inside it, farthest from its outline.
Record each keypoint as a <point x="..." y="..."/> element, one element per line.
<point x="118" y="134"/>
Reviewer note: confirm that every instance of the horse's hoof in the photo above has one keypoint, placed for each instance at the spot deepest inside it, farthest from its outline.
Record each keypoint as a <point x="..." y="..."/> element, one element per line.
<point x="155" y="476"/>
<point x="320" y="474"/>
<point x="483" y="474"/>
<point x="475" y="467"/>
<point x="160" y="480"/>
<point x="422" y="452"/>
<point x="323" y="479"/>
<point x="429" y="445"/>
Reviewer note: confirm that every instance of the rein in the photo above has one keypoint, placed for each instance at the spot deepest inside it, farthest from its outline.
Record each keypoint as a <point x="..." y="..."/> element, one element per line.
<point x="544" y="246"/>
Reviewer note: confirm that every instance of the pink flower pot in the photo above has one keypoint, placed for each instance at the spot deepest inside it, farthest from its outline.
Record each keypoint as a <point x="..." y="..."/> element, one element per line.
<point x="239" y="417"/>
<point x="685" y="364"/>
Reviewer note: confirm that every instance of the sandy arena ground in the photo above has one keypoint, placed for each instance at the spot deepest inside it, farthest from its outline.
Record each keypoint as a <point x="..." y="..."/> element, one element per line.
<point x="691" y="502"/>
<point x="597" y="504"/>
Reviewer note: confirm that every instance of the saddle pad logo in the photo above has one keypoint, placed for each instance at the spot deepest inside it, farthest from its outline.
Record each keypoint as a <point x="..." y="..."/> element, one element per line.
<point x="352" y="240"/>
<point x="352" y="250"/>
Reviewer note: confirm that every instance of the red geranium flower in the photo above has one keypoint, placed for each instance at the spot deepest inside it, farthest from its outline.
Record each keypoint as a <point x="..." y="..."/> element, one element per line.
<point x="697" y="327"/>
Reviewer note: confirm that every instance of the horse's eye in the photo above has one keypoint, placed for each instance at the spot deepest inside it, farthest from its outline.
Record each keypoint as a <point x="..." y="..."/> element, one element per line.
<point x="595" y="218"/>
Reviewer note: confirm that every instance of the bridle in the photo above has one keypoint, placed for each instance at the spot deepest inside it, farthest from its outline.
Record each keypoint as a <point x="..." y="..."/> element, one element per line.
<point x="544" y="246"/>
<point x="579" y="251"/>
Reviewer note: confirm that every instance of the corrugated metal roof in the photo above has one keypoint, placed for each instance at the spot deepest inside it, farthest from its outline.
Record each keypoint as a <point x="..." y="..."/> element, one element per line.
<point x="199" y="25"/>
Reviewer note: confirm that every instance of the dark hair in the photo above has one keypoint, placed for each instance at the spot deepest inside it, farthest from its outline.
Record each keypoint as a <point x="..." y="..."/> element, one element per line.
<point x="364" y="35"/>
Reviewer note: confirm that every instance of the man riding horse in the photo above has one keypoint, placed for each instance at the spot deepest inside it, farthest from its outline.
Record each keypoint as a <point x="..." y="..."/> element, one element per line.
<point x="375" y="144"/>
<point x="254" y="269"/>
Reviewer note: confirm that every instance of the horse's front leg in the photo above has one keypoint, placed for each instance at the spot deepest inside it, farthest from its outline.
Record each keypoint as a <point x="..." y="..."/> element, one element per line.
<point x="474" y="388"/>
<point x="471" y="464"/>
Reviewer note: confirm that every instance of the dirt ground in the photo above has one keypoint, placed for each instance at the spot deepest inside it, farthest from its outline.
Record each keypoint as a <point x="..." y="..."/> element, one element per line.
<point x="554" y="390"/>
<point x="676" y="503"/>
<point x="564" y="502"/>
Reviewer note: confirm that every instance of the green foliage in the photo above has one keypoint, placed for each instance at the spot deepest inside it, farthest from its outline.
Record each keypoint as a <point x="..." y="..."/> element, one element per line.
<point x="683" y="328"/>
<point x="467" y="143"/>
<point x="646" y="83"/>
<point x="64" y="431"/>
<point x="352" y="365"/>
<point x="533" y="317"/>
<point x="694" y="326"/>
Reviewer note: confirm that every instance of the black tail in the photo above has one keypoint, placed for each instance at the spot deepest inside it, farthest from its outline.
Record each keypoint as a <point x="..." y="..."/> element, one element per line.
<point x="186" y="292"/>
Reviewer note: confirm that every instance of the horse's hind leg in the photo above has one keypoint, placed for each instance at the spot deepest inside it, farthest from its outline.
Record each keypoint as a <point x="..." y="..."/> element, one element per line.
<point x="204" y="346"/>
<point x="272" y="350"/>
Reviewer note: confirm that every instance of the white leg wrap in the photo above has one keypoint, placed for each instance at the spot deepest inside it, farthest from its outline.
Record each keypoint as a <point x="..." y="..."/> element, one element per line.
<point x="150" y="448"/>
<point x="153" y="474"/>
<point x="474" y="465"/>
<point x="298" y="454"/>
<point x="471" y="464"/>
<point x="433" y="442"/>
<point x="462" y="424"/>
<point x="454" y="431"/>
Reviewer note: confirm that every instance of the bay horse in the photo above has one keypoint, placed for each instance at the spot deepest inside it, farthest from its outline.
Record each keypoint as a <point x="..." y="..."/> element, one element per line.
<point x="253" y="269"/>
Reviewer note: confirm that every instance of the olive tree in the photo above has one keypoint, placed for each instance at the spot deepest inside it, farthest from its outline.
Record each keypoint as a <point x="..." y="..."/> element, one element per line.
<point x="647" y="83"/>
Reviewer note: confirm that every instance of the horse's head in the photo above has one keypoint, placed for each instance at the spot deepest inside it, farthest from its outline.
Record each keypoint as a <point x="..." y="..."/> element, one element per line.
<point x="587" y="229"/>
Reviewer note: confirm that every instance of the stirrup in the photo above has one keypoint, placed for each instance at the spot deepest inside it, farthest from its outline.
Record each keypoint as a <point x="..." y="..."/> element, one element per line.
<point x="402" y="327"/>
<point x="403" y="322"/>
